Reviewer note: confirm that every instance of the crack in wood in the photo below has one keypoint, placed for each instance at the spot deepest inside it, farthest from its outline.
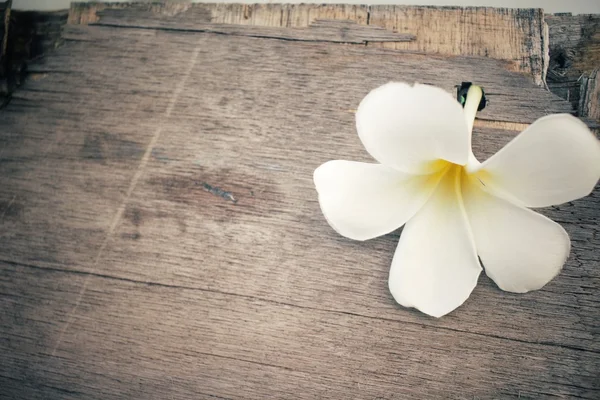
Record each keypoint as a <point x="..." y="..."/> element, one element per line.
<point x="336" y="31"/>
<point x="219" y="192"/>
<point x="284" y="304"/>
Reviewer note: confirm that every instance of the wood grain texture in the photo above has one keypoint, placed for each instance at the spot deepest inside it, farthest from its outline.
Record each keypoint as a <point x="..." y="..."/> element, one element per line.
<point x="138" y="340"/>
<point x="589" y="98"/>
<point x="161" y="236"/>
<point x="514" y="35"/>
<point x="266" y="15"/>
<point x="574" y="56"/>
<point x="319" y="30"/>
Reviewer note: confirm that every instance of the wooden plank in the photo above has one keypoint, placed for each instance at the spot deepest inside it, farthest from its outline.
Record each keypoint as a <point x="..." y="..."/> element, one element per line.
<point x="520" y="37"/>
<point x="267" y="15"/>
<point x="161" y="235"/>
<point x="285" y="15"/>
<point x="589" y="99"/>
<point x="110" y="137"/>
<point x="337" y="31"/>
<point x="66" y="146"/>
<point x="574" y="56"/>
<point x="132" y="339"/>
<point x="514" y="35"/>
<point x="513" y="98"/>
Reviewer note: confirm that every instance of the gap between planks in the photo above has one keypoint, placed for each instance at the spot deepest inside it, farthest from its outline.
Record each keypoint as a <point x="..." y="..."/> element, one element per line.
<point x="88" y="275"/>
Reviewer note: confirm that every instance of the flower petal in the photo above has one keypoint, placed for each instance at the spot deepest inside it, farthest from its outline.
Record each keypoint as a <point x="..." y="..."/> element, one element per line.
<point x="362" y="201"/>
<point x="521" y="250"/>
<point x="555" y="160"/>
<point x="435" y="267"/>
<point x="409" y="127"/>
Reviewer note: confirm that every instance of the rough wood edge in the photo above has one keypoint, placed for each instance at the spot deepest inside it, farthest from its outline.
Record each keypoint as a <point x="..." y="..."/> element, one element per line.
<point x="574" y="56"/>
<point x="538" y="63"/>
<point x="283" y="15"/>
<point x="319" y="30"/>
<point x="5" y="16"/>
<point x="545" y="51"/>
<point x="84" y="13"/>
<point x="302" y="15"/>
<point x="589" y="100"/>
<point x="513" y="35"/>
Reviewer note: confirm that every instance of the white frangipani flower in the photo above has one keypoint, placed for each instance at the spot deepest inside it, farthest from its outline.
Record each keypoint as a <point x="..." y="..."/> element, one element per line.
<point x="455" y="208"/>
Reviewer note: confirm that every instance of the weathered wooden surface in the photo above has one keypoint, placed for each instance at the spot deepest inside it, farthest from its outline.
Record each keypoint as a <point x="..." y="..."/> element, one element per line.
<point x="575" y="60"/>
<point x="161" y="237"/>
<point x="516" y="36"/>
<point x="558" y="49"/>
<point x="271" y="15"/>
<point x="589" y="96"/>
<point x="197" y="20"/>
<point x="358" y="25"/>
<point x="5" y="9"/>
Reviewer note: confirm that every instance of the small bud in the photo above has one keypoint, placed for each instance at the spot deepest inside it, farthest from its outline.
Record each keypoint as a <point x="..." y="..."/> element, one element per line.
<point x="461" y="95"/>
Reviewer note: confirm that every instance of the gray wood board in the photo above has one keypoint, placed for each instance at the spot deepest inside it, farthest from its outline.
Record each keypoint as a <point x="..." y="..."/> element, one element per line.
<point x="514" y="35"/>
<point x="137" y="340"/>
<point x="196" y="19"/>
<point x="160" y="234"/>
